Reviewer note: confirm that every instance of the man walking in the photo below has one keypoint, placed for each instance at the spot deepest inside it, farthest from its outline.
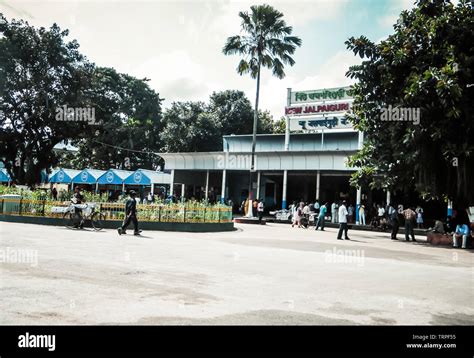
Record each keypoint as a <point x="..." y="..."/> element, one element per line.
<point x="130" y="215"/>
<point x="343" y="221"/>
<point x="409" y="216"/>
<point x="322" y="214"/>
<point x="393" y="216"/>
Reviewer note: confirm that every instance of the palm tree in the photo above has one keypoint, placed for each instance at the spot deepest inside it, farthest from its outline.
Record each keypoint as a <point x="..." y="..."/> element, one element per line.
<point x="266" y="41"/>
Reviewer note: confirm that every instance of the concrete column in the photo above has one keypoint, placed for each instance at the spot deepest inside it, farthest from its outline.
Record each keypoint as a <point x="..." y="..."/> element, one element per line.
<point x="358" y="198"/>
<point x="318" y="181"/>
<point x="258" y="185"/>
<point x="183" y="191"/>
<point x="72" y="186"/>
<point x="275" y="193"/>
<point x="224" y="173"/>
<point x="388" y="197"/>
<point x="322" y="139"/>
<point x="285" y="183"/>
<point x="123" y="187"/>
<point x="152" y="190"/>
<point x="96" y="188"/>
<point x="172" y="183"/>
<point x="207" y="184"/>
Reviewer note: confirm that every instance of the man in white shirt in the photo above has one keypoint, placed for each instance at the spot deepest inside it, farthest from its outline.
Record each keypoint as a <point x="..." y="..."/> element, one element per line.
<point x="260" y="208"/>
<point x="343" y="221"/>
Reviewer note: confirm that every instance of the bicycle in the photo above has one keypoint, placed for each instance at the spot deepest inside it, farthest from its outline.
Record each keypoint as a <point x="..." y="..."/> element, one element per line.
<point x="97" y="218"/>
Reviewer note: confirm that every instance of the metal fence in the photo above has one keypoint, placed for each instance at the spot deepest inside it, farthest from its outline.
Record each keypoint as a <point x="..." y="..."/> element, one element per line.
<point x="179" y="213"/>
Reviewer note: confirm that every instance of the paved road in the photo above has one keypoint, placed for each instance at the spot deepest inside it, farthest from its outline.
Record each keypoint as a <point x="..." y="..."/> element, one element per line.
<point x="269" y="274"/>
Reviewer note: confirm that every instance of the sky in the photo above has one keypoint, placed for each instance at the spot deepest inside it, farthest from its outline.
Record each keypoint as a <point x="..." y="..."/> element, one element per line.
<point x="178" y="44"/>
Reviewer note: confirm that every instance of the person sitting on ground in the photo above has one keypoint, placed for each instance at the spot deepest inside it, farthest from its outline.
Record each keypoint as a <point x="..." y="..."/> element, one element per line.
<point x="461" y="233"/>
<point x="450" y="225"/>
<point x="438" y="227"/>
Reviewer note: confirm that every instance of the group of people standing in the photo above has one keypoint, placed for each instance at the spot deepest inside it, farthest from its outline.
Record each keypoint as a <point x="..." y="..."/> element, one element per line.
<point x="343" y="213"/>
<point x="258" y="208"/>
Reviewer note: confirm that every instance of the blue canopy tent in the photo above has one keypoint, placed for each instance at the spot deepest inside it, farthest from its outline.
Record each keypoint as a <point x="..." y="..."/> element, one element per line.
<point x="144" y="177"/>
<point x="63" y="176"/>
<point x="4" y="176"/>
<point x="114" y="177"/>
<point x="87" y="176"/>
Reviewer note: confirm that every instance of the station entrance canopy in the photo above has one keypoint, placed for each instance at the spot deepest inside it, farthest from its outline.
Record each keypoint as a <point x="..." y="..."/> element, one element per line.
<point x="88" y="176"/>
<point x="147" y="177"/>
<point x="63" y="176"/>
<point x="113" y="177"/>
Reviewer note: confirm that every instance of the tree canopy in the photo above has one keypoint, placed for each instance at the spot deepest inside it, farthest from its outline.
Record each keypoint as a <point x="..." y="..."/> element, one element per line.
<point x="199" y="126"/>
<point x="425" y="64"/>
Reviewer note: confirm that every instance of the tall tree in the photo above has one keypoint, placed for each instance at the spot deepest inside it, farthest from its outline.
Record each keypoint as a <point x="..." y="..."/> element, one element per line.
<point x="39" y="72"/>
<point x="266" y="42"/>
<point x="427" y="64"/>
<point x="131" y="114"/>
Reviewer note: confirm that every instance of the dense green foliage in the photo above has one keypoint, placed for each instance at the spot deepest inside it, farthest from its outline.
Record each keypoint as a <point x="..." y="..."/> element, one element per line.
<point x="427" y="63"/>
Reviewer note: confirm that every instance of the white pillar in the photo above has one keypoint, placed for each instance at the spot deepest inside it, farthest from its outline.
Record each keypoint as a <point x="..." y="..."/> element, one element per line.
<point x="172" y="183"/>
<point x="287" y="133"/>
<point x="224" y="172"/>
<point x="358" y="199"/>
<point x="152" y="190"/>
<point x="123" y="187"/>
<point x="72" y="186"/>
<point x="258" y="185"/>
<point x="318" y="181"/>
<point x="285" y="181"/>
<point x="183" y="189"/>
<point x="388" y="197"/>
<point x="322" y="139"/>
<point x="207" y="184"/>
<point x="96" y="187"/>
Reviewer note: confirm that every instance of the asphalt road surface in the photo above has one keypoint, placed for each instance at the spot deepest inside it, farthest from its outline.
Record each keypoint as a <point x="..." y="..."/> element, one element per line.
<point x="271" y="274"/>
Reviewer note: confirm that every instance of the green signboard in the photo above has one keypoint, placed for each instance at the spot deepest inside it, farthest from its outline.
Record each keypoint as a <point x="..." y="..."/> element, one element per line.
<point x="319" y="95"/>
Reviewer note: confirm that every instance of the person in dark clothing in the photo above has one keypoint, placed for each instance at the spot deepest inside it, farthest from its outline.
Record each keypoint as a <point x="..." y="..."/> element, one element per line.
<point x="54" y="193"/>
<point x="130" y="215"/>
<point x="393" y="217"/>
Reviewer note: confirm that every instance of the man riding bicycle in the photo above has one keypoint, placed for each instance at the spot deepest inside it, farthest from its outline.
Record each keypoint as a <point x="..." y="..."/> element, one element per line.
<point x="78" y="198"/>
